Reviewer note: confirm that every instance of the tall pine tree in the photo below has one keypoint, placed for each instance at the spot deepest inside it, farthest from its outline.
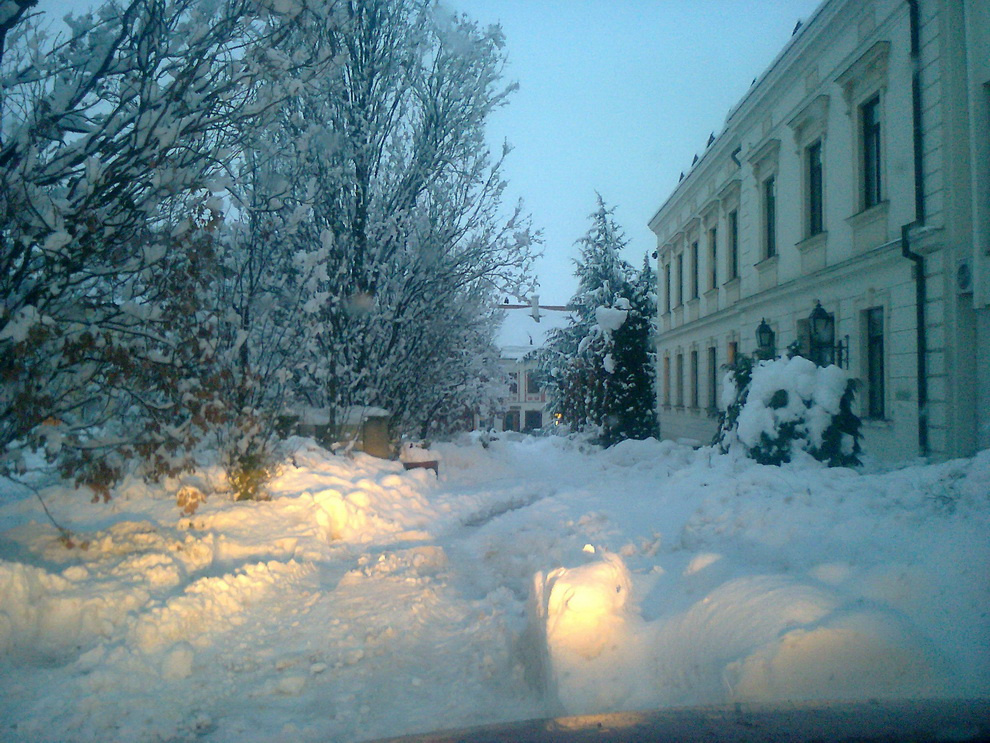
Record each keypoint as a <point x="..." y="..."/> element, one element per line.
<point x="632" y="407"/>
<point x="599" y="369"/>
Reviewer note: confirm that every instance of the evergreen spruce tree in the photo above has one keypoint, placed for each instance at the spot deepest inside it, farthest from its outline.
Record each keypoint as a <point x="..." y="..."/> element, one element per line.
<point x="632" y="403"/>
<point x="599" y="369"/>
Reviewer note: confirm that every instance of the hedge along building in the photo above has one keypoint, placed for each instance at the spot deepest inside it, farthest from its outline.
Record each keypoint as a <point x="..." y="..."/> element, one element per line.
<point x="853" y="175"/>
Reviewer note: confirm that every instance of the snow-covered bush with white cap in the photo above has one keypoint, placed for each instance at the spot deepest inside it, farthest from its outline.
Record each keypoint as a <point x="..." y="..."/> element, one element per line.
<point x="774" y="408"/>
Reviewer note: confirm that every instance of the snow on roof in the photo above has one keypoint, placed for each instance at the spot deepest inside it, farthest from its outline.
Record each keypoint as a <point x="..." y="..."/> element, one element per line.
<point x="521" y="333"/>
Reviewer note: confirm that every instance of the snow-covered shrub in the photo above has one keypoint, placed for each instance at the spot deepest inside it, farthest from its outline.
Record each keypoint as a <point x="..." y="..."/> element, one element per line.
<point x="250" y="473"/>
<point x="776" y="407"/>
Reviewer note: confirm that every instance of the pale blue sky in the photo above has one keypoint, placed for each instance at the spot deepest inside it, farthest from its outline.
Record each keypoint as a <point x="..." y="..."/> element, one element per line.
<point x="618" y="96"/>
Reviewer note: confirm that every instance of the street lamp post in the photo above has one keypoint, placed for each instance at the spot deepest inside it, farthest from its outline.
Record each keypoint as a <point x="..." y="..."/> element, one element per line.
<point x="765" y="340"/>
<point x="824" y="349"/>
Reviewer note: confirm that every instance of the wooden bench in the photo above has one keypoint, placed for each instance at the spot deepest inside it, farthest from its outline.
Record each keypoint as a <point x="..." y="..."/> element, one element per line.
<point x="430" y="464"/>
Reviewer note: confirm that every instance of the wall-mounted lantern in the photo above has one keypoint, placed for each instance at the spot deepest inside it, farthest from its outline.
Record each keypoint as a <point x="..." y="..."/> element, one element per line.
<point x="824" y="349"/>
<point x="765" y="340"/>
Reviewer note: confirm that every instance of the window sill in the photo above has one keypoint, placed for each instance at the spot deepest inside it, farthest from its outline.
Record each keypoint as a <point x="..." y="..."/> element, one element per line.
<point x="869" y="215"/>
<point x="877" y="423"/>
<point x="693" y="306"/>
<point x="869" y="227"/>
<point x="767" y="263"/>
<point x="812" y="242"/>
<point x="812" y="250"/>
<point x="767" y="273"/>
<point x="711" y="300"/>
<point x="731" y="288"/>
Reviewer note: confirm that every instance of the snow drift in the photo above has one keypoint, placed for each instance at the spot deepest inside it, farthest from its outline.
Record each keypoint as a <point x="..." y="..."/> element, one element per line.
<point x="535" y="576"/>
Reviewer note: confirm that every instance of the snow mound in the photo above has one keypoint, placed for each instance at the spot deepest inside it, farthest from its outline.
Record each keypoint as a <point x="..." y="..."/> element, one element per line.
<point x="45" y="617"/>
<point x="759" y="638"/>
<point x="210" y="606"/>
<point x="365" y="602"/>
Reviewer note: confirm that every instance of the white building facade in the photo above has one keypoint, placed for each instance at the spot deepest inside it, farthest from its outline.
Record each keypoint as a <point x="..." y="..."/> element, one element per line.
<point x="854" y="175"/>
<point x="523" y="332"/>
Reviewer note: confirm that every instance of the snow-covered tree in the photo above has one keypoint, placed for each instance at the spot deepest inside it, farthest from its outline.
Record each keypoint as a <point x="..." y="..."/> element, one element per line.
<point x="632" y="401"/>
<point x="215" y="208"/>
<point x="112" y="141"/>
<point x="405" y="186"/>
<point x="264" y="299"/>
<point x="599" y="369"/>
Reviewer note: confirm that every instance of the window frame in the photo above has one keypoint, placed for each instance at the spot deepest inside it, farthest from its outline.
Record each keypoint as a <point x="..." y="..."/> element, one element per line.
<point x="668" y="304"/>
<point x="528" y="418"/>
<point x="865" y="82"/>
<point x="695" y="270"/>
<point x="815" y="188"/>
<point x="733" y="244"/>
<point x="532" y="382"/>
<point x="713" y="378"/>
<point x="713" y="257"/>
<point x="695" y="373"/>
<point x="765" y="163"/>
<point x="768" y="211"/>
<point x="871" y="151"/>
<point x="874" y="363"/>
<point x="666" y="381"/>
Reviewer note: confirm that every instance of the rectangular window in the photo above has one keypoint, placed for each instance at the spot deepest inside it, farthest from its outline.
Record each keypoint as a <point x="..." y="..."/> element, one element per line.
<point x="870" y="122"/>
<point x="712" y="378"/>
<point x="513" y="383"/>
<point x="694" y="379"/>
<point x="680" y="279"/>
<point x="712" y="258"/>
<point x="666" y="288"/>
<point x="874" y="363"/>
<point x="532" y="383"/>
<point x="666" y="380"/>
<point x="733" y="245"/>
<point x="770" y="216"/>
<point x="511" y="422"/>
<point x="532" y="420"/>
<point x="679" y="379"/>
<point x="694" y="270"/>
<point x="733" y="351"/>
<point x="815" y="192"/>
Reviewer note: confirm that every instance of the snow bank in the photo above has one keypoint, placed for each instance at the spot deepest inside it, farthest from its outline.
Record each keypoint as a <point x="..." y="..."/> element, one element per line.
<point x="45" y="617"/>
<point x="754" y="639"/>
<point x="363" y="601"/>
<point x="592" y="635"/>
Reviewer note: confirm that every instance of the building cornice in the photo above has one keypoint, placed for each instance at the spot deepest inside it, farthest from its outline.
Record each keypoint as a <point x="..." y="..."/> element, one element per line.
<point x="818" y="29"/>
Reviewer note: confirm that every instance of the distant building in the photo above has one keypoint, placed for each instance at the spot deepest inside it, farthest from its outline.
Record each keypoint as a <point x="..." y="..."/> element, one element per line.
<point x="524" y="330"/>
<point x="845" y="207"/>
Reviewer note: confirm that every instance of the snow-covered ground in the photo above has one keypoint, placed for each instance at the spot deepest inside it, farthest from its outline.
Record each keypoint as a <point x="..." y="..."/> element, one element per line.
<point x="534" y="577"/>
